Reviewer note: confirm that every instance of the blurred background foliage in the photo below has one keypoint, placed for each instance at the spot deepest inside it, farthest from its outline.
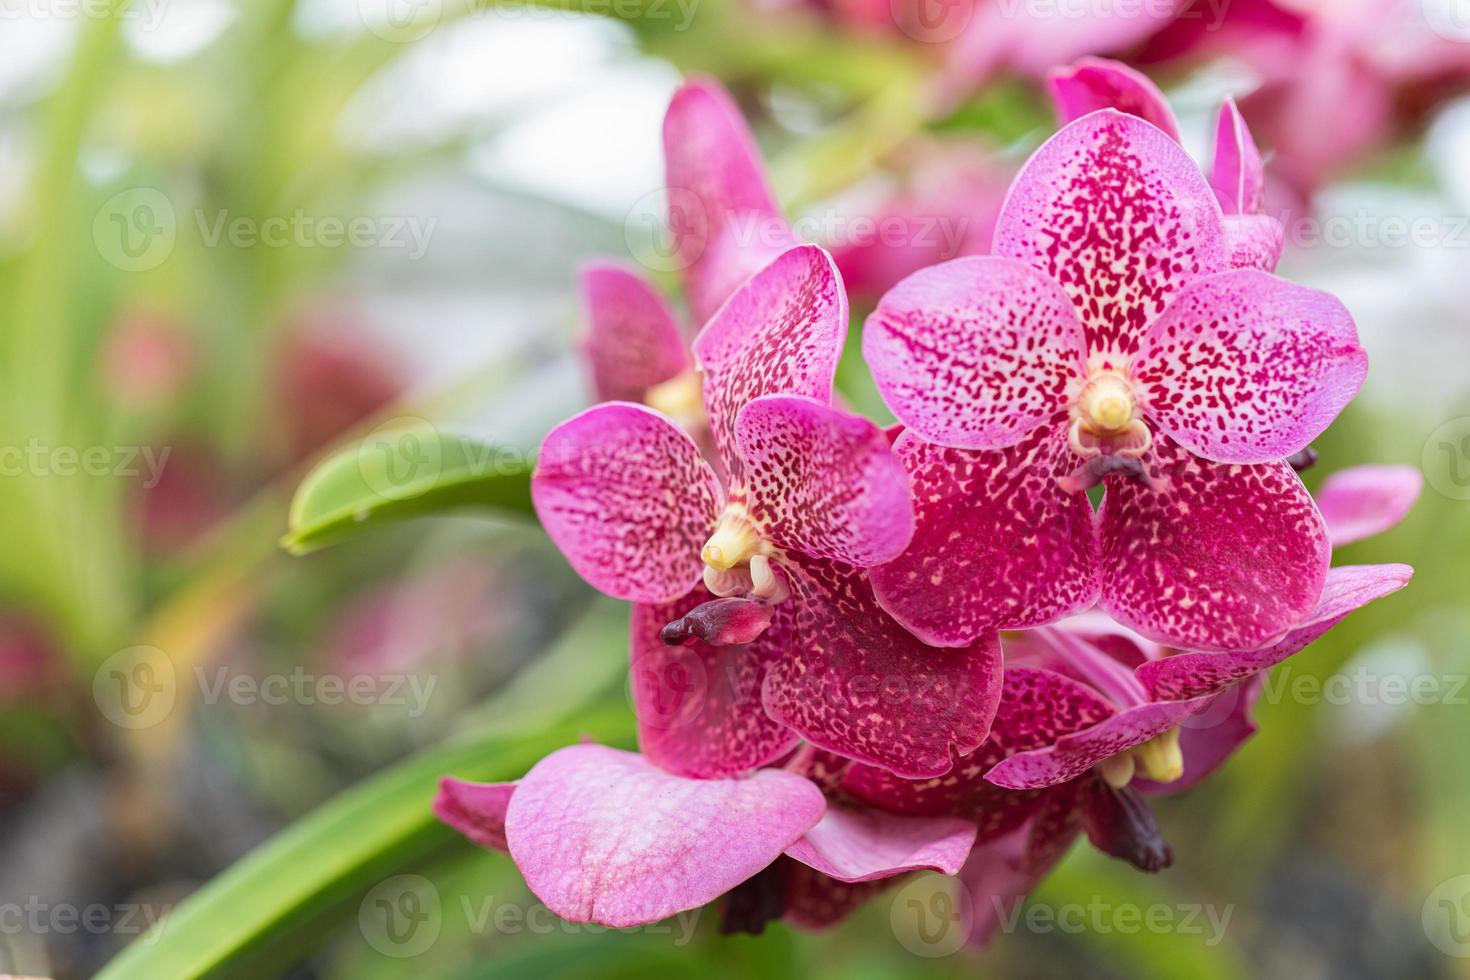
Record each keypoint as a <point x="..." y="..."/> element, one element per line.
<point x="521" y="141"/>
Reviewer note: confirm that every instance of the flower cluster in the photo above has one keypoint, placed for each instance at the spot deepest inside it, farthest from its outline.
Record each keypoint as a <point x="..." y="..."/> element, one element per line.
<point x="859" y="652"/>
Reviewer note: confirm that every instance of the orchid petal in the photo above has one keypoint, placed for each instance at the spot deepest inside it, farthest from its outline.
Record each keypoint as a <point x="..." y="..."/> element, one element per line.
<point x="1348" y="588"/>
<point x="864" y="845"/>
<point x="1254" y="241"/>
<point x="1238" y="176"/>
<point x="1363" y="501"/>
<point x="1091" y="84"/>
<point x="1211" y="736"/>
<point x="629" y="500"/>
<point x="634" y="341"/>
<point x="603" y="836"/>
<point x="975" y="353"/>
<point x="476" y="810"/>
<point x="1217" y="557"/>
<point x="1116" y="212"/>
<point x="1245" y="368"/>
<point x="856" y="683"/>
<point x="998" y="544"/>
<point x="780" y="334"/>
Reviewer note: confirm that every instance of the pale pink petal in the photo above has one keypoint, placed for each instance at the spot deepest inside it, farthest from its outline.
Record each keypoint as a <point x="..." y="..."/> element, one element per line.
<point x="1238" y="175"/>
<point x="476" y="810"/>
<point x="1091" y="84"/>
<point x="603" y="836"/>
<point x="1363" y="501"/>
<point x="629" y="500"/>
<point x="864" y="845"/>
<point x="1348" y="588"/>
<point x="1115" y="211"/>
<point x="998" y="545"/>
<point x="1245" y="368"/>
<point x="1254" y="241"/>
<point x="780" y="334"/>
<point x="824" y="482"/>
<point x="713" y="168"/>
<point x="699" y="706"/>
<point x="858" y="684"/>
<point x="1221" y="557"/>
<point x="633" y="340"/>
<point x="975" y="353"/>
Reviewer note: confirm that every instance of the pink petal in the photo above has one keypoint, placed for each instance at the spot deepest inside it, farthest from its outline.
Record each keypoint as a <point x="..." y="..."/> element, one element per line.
<point x="476" y="810"/>
<point x="1210" y="737"/>
<point x="633" y="342"/>
<point x="1366" y="500"/>
<point x="1254" y="241"/>
<point x="604" y="836"/>
<point x="1238" y="176"/>
<point x="998" y="545"/>
<point x="864" y="845"/>
<point x="1114" y="210"/>
<point x="824" y="482"/>
<point x="780" y="334"/>
<point x="1100" y="83"/>
<point x="1222" y="558"/>
<point x="975" y="353"/>
<point x="858" y="684"/>
<point x="1245" y="368"/>
<point x="713" y="169"/>
<point x="629" y="500"/>
<point x="1348" y="588"/>
<point x="699" y="706"/>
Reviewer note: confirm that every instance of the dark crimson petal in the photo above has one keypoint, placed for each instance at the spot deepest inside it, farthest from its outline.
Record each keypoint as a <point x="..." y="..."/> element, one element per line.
<point x="998" y="543"/>
<point x="862" y="686"/>
<point x="699" y="706"/>
<point x="817" y="902"/>
<point x="1221" y="557"/>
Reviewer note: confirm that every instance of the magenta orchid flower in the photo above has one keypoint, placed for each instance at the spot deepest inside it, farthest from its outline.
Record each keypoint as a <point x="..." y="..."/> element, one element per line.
<point x="812" y="497"/>
<point x="1107" y="339"/>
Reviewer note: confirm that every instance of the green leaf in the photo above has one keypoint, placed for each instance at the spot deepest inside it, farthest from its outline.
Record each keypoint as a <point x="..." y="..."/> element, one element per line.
<point x="281" y="899"/>
<point x="401" y="470"/>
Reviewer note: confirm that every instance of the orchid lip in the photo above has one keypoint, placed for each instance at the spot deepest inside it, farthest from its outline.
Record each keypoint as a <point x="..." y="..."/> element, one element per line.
<point x="1106" y="407"/>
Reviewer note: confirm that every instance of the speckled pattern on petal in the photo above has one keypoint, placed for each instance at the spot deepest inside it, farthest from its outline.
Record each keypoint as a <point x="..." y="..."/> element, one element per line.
<point x="1245" y="368"/>
<point x="604" y="836"/>
<point x="629" y="500"/>
<point x="1091" y="84"/>
<point x="633" y="340"/>
<point x="860" y="685"/>
<point x="1225" y="557"/>
<point x="1115" y="211"/>
<point x="1255" y="241"/>
<point x="824" y="482"/>
<point x="699" y="706"/>
<point x="476" y="810"/>
<point x="998" y="543"/>
<point x="863" y="845"/>
<point x="975" y="353"/>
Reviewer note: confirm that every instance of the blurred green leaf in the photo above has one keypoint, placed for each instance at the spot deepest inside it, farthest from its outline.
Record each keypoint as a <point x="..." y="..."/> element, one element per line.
<point x="399" y="472"/>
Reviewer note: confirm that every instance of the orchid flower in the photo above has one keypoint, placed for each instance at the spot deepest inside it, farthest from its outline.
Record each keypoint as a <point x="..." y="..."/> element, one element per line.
<point x="1108" y="339"/>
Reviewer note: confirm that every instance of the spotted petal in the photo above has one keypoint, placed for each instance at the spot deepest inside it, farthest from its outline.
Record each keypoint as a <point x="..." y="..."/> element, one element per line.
<point x="780" y="334"/>
<point x="998" y="544"/>
<point x="1238" y="175"/>
<point x="864" y="845"/>
<point x="1348" y="588"/>
<point x="824" y="482"/>
<point x="633" y="341"/>
<point x="603" y="836"/>
<point x="1115" y="211"/>
<point x="476" y="810"/>
<point x="699" y="706"/>
<point x="629" y="500"/>
<point x="975" y="353"/>
<point x="1363" y="501"/>
<point x="1245" y="368"/>
<point x="1101" y="83"/>
<point x="1254" y="241"/>
<point x="860" y="685"/>
<point x="1218" y="558"/>
<point x="722" y="212"/>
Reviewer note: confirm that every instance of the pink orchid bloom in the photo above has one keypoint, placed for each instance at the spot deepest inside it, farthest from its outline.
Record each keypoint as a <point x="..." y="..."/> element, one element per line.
<point x="1238" y="176"/>
<point x="813" y="497"/>
<point x="606" y="836"/>
<point x="1108" y="339"/>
